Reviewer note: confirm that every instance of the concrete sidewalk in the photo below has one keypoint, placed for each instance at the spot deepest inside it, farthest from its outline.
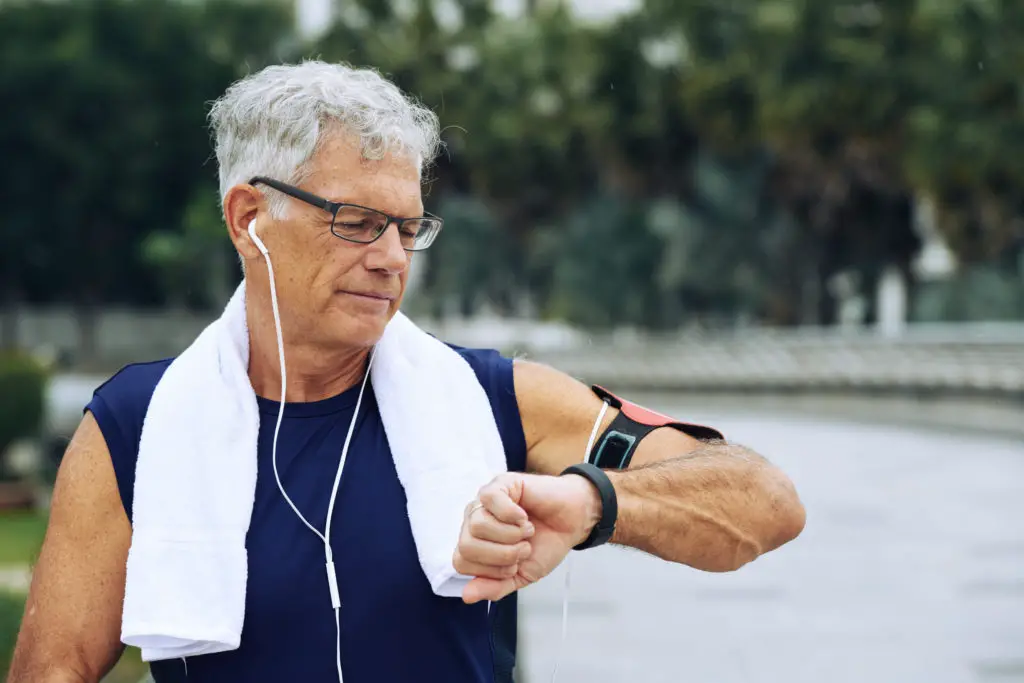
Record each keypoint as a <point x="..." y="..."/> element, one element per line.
<point x="910" y="570"/>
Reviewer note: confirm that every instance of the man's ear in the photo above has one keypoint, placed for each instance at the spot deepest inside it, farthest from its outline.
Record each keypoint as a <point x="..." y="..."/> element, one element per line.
<point x="242" y="205"/>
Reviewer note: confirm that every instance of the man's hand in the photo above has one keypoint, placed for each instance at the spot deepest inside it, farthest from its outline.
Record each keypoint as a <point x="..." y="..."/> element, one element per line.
<point x="520" y="528"/>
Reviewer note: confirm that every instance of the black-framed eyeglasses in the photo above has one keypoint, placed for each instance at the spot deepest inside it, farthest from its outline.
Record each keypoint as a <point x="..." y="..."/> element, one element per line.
<point x="361" y="224"/>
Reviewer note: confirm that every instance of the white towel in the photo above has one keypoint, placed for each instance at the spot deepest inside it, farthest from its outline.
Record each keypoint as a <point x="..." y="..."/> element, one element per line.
<point x="195" y="479"/>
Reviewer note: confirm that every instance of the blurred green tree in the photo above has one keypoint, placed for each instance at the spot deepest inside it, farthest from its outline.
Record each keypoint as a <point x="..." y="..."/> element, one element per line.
<point x="709" y="160"/>
<point x="105" y="106"/>
<point x="967" y="129"/>
<point x="813" y="84"/>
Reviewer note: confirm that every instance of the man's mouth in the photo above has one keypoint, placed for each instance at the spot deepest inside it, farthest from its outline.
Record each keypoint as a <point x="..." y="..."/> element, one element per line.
<point x="373" y="296"/>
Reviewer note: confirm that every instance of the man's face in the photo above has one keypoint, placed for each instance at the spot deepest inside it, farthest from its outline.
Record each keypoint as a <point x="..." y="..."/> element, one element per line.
<point x="333" y="292"/>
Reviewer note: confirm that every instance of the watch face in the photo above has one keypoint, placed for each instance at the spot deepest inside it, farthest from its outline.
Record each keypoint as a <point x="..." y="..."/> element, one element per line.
<point x="613" y="451"/>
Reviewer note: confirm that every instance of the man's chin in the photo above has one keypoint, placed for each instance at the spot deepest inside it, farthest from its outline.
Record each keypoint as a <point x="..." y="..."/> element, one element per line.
<point x="363" y="330"/>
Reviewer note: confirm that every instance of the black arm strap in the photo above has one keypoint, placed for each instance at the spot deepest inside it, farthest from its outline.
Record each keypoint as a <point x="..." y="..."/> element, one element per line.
<point x="617" y="444"/>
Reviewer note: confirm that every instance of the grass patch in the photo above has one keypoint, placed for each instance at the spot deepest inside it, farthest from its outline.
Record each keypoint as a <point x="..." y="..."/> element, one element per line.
<point x="11" y="608"/>
<point x="21" y="536"/>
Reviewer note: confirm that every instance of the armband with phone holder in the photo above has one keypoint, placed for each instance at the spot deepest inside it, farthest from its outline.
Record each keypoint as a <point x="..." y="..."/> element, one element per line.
<point x="616" y="446"/>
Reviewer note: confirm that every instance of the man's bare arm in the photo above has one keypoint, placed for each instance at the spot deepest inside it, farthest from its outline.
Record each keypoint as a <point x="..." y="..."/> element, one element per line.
<point x="71" y="629"/>
<point x="712" y="506"/>
<point x="716" y="508"/>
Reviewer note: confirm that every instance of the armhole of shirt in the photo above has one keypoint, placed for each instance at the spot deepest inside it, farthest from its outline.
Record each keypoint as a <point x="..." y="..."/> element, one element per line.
<point x="512" y="434"/>
<point x="497" y="376"/>
<point x="119" y="407"/>
<point x="122" y="455"/>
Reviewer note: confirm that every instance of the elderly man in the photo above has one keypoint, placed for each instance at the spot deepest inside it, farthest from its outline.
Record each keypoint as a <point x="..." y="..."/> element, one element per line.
<point x="321" y="168"/>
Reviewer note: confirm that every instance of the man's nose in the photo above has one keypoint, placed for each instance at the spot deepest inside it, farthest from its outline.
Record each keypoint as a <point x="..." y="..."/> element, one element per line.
<point x="387" y="253"/>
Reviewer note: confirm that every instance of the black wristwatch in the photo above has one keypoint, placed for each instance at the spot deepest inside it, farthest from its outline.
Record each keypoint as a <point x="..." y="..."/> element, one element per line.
<point x="605" y="527"/>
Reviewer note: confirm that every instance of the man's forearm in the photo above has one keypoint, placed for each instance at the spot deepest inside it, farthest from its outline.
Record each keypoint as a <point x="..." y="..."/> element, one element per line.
<point x="716" y="508"/>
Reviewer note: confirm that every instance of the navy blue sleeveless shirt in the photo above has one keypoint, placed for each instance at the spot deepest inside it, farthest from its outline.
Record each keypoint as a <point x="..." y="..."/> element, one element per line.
<point x="393" y="627"/>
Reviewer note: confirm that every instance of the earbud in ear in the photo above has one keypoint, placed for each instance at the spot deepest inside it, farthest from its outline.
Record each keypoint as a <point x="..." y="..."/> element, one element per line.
<point x="255" y="239"/>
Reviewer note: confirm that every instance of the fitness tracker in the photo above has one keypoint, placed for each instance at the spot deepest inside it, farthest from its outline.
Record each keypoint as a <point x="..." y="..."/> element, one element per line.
<point x="605" y="527"/>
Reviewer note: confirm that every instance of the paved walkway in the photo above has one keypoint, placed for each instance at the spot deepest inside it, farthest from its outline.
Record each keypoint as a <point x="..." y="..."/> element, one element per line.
<point x="911" y="569"/>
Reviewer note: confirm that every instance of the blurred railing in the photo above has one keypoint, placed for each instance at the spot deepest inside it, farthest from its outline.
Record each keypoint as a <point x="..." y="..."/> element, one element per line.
<point x="985" y="360"/>
<point x="975" y="356"/>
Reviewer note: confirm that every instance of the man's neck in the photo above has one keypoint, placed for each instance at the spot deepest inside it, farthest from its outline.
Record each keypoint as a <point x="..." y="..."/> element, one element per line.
<point x="314" y="373"/>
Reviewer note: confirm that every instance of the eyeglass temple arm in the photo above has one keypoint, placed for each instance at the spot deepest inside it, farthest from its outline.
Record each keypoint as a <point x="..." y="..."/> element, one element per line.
<point x="308" y="197"/>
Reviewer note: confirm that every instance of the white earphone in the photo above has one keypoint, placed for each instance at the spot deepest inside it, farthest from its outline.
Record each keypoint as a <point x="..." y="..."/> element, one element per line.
<point x="325" y="537"/>
<point x="255" y="238"/>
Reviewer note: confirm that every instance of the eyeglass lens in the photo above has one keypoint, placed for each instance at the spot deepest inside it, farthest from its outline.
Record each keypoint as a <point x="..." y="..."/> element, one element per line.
<point x="365" y="225"/>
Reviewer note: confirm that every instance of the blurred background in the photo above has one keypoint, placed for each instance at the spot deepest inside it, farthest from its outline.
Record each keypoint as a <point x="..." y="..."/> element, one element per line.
<point x="801" y="221"/>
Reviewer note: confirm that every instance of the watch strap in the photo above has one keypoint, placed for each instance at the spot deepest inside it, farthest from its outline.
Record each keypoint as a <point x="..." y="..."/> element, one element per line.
<point x="605" y="527"/>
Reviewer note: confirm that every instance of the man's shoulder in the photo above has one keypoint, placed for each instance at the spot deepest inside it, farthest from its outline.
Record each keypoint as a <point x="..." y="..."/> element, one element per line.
<point x="492" y="367"/>
<point x="131" y="388"/>
<point x="477" y="355"/>
<point x="119" y="406"/>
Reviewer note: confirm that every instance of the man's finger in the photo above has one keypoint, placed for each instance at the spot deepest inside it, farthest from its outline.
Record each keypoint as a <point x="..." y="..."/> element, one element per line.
<point x="497" y="499"/>
<point x="488" y="589"/>
<point x="485" y="526"/>
<point x="488" y="571"/>
<point x="491" y="553"/>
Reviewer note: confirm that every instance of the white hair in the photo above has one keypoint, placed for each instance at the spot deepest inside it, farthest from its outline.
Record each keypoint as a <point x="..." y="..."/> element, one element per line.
<point x="270" y="123"/>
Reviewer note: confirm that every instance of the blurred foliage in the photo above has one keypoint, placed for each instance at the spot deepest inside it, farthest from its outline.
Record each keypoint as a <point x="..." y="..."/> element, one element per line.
<point x="22" y="393"/>
<point x="104" y="113"/>
<point x="192" y="262"/>
<point x="688" y="161"/>
<point x="21" y="537"/>
<point x="12" y="607"/>
<point x="481" y="257"/>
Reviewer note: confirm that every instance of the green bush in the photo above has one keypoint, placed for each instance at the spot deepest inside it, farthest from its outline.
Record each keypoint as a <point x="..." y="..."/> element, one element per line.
<point x="22" y="397"/>
<point x="11" y="608"/>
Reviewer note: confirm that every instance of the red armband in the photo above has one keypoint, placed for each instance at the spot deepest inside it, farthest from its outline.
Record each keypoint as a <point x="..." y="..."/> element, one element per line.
<point x="615" y="447"/>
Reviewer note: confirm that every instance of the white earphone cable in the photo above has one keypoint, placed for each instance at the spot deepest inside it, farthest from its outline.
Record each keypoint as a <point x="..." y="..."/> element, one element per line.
<point x="332" y="577"/>
<point x="325" y="537"/>
<point x="344" y="450"/>
<point x="568" y="566"/>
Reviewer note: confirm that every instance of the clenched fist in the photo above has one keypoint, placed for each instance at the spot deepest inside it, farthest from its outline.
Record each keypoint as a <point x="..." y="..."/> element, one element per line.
<point x="520" y="527"/>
